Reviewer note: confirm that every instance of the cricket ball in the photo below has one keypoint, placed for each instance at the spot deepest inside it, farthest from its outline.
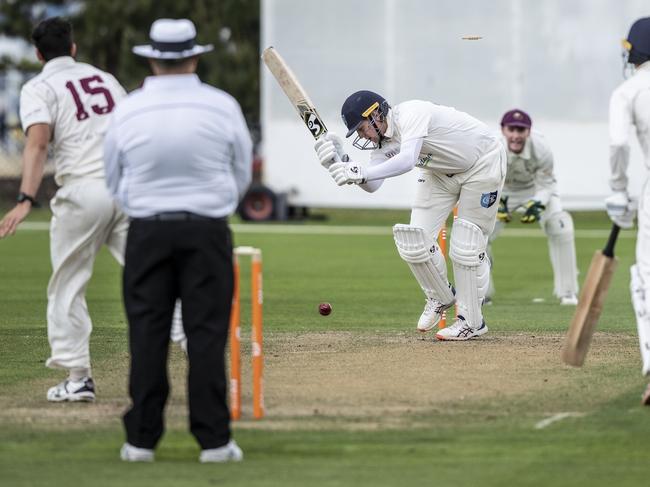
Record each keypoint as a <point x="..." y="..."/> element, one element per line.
<point x="324" y="309"/>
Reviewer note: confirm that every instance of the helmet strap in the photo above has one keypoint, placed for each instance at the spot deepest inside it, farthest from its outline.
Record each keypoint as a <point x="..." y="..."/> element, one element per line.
<point x="377" y="117"/>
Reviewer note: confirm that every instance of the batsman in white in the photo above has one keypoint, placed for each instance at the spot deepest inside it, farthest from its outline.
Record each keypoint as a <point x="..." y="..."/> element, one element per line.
<point x="460" y="162"/>
<point x="629" y="107"/>
<point x="67" y="105"/>
<point x="531" y="188"/>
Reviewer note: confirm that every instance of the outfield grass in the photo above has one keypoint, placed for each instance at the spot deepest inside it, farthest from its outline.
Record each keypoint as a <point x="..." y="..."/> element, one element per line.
<point x="489" y="441"/>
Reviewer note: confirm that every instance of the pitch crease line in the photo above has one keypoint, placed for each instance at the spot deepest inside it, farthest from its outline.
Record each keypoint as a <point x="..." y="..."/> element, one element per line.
<point x="555" y="418"/>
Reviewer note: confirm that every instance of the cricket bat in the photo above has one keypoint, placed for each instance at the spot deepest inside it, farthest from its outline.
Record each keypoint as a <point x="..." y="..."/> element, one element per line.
<point x="590" y="303"/>
<point x="294" y="91"/>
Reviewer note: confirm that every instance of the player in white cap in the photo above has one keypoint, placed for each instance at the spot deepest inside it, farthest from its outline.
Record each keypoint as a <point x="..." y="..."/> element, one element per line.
<point x="460" y="162"/>
<point x="531" y="188"/>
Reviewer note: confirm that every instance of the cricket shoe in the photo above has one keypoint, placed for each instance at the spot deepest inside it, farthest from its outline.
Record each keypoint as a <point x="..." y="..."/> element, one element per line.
<point x="69" y="390"/>
<point x="130" y="453"/>
<point x="645" y="400"/>
<point x="460" y="330"/>
<point x="230" y="452"/>
<point x="434" y="312"/>
<point x="569" y="300"/>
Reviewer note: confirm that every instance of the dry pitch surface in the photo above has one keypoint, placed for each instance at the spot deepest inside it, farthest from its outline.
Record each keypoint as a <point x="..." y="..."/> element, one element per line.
<point x="367" y="381"/>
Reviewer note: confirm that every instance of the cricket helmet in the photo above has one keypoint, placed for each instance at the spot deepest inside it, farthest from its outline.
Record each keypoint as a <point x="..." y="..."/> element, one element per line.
<point x="359" y="106"/>
<point x="637" y="43"/>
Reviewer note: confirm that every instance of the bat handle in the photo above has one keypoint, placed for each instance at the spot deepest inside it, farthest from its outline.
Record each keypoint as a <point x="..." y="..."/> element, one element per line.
<point x="608" y="251"/>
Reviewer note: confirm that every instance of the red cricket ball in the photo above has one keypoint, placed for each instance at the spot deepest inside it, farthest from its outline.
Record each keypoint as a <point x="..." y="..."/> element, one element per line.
<point x="324" y="309"/>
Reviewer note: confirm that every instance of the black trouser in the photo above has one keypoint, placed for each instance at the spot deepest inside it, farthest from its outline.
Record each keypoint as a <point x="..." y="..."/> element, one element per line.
<point x="167" y="259"/>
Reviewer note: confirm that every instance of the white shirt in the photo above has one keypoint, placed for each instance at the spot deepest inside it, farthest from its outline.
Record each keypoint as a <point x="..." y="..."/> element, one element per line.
<point x="75" y="100"/>
<point x="178" y="145"/>
<point x="629" y="106"/>
<point x="442" y="139"/>
<point x="532" y="168"/>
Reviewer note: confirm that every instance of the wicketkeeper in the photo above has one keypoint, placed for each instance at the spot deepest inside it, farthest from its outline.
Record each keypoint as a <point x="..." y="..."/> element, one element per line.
<point x="459" y="162"/>
<point x="531" y="188"/>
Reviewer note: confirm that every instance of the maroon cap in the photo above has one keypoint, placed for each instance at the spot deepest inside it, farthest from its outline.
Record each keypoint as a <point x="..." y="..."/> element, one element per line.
<point x="516" y="117"/>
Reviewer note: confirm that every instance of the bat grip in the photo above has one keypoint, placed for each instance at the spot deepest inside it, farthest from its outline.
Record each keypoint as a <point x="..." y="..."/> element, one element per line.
<point x="608" y="251"/>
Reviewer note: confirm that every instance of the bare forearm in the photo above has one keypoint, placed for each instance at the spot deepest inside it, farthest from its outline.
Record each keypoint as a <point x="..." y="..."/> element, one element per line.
<point x="34" y="157"/>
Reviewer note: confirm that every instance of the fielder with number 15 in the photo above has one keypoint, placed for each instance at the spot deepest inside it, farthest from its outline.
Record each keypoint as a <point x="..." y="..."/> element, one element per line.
<point x="459" y="162"/>
<point x="68" y="105"/>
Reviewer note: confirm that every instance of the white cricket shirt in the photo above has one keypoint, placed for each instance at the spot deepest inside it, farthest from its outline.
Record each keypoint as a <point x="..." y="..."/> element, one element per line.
<point x="452" y="141"/>
<point x="178" y="144"/>
<point x="75" y="100"/>
<point x="629" y="106"/>
<point x="531" y="168"/>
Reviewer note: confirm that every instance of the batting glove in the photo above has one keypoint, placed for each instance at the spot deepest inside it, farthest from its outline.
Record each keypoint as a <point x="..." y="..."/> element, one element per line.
<point x="329" y="149"/>
<point x="503" y="215"/>
<point x="621" y="209"/>
<point x="533" y="211"/>
<point x="347" y="173"/>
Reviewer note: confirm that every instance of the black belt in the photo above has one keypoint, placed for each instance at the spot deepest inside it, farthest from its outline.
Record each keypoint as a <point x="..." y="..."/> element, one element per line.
<point x="180" y="216"/>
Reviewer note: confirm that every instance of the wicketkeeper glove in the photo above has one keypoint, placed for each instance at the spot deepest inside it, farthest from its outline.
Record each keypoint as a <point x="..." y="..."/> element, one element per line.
<point x="533" y="211"/>
<point x="503" y="215"/>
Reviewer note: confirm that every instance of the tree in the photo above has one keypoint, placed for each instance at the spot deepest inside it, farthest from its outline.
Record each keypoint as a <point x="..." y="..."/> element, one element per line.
<point x="106" y="30"/>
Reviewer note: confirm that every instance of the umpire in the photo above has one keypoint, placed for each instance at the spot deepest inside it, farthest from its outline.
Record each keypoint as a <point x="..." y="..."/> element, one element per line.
<point x="178" y="160"/>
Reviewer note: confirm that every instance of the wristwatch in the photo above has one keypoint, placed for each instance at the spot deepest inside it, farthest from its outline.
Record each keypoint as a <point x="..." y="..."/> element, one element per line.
<point x="25" y="197"/>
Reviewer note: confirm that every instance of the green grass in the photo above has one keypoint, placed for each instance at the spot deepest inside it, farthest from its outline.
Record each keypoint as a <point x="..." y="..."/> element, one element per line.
<point x="494" y="455"/>
<point x="488" y="442"/>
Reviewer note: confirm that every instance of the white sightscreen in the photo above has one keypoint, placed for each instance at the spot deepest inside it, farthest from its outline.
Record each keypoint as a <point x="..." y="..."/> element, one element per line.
<point x="557" y="59"/>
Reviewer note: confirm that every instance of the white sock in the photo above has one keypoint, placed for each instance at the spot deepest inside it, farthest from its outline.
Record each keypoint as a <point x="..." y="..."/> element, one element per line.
<point x="79" y="373"/>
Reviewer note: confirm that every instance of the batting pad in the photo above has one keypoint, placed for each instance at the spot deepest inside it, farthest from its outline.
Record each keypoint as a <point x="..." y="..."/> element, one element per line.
<point x="471" y="269"/>
<point x="639" y="300"/>
<point x="425" y="260"/>
<point x="559" y="229"/>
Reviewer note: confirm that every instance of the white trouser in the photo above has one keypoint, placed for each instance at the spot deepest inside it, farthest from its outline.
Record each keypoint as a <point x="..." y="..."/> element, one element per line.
<point x="643" y="263"/>
<point x="476" y="192"/>
<point x="84" y="218"/>
<point x="643" y="235"/>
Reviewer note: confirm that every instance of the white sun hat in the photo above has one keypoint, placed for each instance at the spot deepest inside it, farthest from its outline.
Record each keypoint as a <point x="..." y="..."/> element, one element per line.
<point x="172" y="39"/>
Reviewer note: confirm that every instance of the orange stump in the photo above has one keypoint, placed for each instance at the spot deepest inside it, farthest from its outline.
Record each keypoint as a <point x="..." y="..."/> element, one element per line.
<point x="256" y="336"/>
<point x="456" y="218"/>
<point x="442" y="243"/>
<point x="257" y="352"/>
<point x="235" y="347"/>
